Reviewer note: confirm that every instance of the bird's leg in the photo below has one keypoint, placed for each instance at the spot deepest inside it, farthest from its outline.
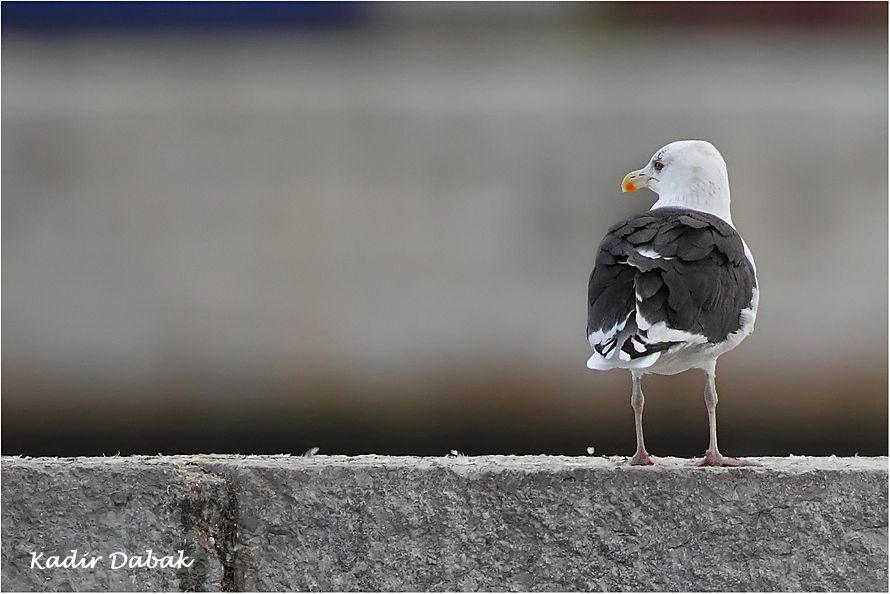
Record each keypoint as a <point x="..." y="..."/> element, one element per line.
<point x="713" y="457"/>
<point x="641" y="457"/>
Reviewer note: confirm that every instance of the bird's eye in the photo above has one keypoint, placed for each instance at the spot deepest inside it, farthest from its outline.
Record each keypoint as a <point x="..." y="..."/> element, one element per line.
<point x="658" y="165"/>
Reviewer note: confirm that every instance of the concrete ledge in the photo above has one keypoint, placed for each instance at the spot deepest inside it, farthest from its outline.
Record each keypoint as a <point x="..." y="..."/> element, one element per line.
<point x="487" y="523"/>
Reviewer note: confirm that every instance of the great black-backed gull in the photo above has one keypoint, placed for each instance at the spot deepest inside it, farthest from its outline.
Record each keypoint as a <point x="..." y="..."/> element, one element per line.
<point x="675" y="287"/>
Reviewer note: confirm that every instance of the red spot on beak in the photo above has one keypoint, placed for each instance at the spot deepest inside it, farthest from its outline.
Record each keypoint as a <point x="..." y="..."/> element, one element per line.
<point x="629" y="187"/>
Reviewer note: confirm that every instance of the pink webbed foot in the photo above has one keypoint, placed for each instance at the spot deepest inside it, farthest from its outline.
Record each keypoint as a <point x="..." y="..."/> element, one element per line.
<point x="641" y="459"/>
<point x="715" y="458"/>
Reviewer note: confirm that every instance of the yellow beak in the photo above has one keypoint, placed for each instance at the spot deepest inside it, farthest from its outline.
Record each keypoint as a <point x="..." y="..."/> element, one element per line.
<point x="634" y="180"/>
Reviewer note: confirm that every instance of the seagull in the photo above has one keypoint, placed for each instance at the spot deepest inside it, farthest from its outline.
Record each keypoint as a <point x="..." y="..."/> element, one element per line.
<point x="675" y="287"/>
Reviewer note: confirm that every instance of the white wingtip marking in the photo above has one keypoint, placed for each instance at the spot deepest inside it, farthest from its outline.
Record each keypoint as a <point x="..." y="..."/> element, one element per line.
<point x="642" y="323"/>
<point x="648" y="252"/>
<point x="598" y="363"/>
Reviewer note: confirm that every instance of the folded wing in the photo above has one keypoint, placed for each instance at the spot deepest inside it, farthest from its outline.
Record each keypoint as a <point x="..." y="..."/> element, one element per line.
<point x="665" y="280"/>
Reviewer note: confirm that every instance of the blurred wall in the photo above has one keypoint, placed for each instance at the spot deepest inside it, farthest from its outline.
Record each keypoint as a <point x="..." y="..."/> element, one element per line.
<point x="376" y="235"/>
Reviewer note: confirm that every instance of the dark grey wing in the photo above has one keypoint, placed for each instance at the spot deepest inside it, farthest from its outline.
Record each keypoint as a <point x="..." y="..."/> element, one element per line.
<point x="611" y="290"/>
<point x="667" y="277"/>
<point x="693" y="275"/>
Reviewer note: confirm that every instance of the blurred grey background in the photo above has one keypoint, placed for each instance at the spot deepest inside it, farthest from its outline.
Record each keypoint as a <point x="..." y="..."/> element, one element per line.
<point x="369" y="227"/>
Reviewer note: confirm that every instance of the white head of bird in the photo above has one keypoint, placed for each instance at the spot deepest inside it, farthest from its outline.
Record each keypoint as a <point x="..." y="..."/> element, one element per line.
<point x="688" y="174"/>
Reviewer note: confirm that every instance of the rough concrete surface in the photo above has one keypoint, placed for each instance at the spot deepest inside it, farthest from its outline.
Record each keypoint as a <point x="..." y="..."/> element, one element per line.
<point x="486" y="523"/>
